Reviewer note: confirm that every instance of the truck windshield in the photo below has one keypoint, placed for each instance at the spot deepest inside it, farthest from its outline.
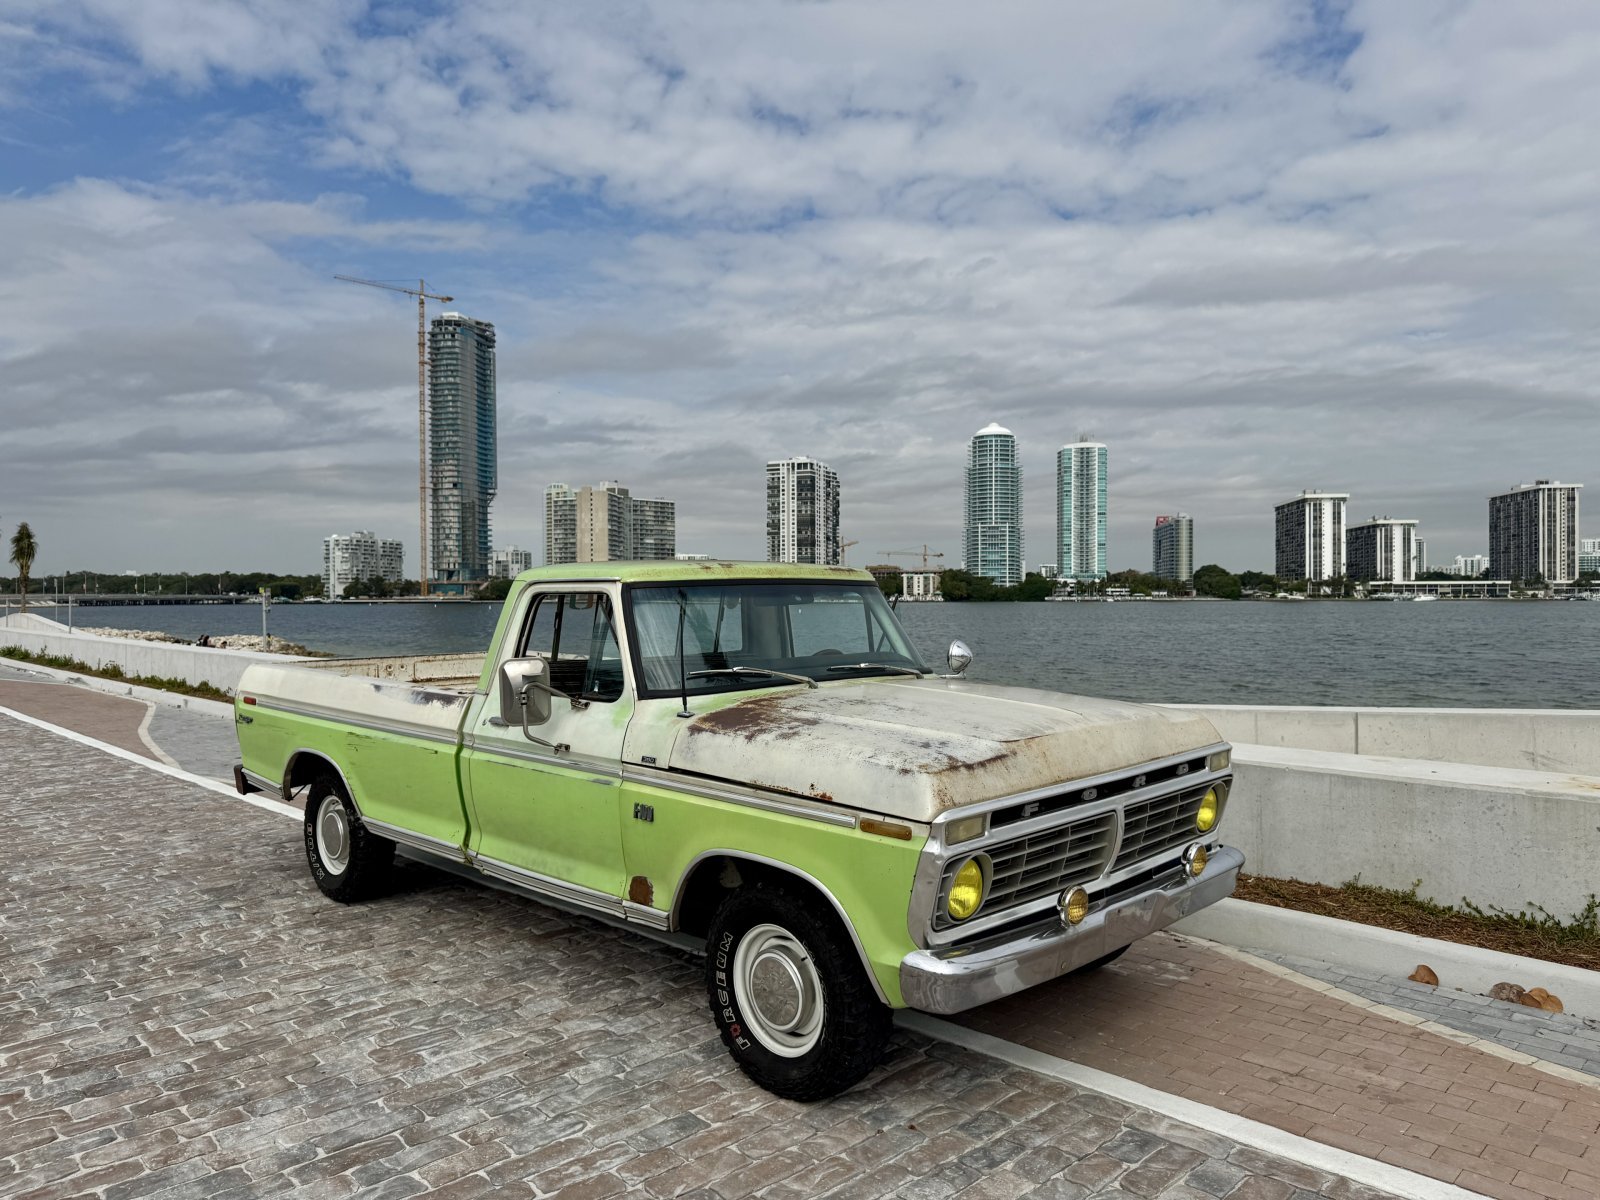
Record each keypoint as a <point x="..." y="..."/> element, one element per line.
<point x="798" y="628"/>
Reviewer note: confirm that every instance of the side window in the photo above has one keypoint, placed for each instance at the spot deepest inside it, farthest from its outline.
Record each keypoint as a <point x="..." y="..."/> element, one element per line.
<point x="574" y="634"/>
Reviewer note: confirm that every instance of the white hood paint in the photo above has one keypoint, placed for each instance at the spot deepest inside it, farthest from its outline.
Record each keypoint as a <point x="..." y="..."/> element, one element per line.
<point x="913" y="748"/>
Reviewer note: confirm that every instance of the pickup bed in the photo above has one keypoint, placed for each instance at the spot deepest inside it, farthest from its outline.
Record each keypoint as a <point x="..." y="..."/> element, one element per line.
<point x="753" y="754"/>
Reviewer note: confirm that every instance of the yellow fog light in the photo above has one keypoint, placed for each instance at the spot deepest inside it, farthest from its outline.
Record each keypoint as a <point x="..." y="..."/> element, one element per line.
<point x="1074" y="905"/>
<point x="966" y="890"/>
<point x="964" y="830"/>
<point x="1219" y="761"/>
<point x="1194" y="859"/>
<point x="1206" y="818"/>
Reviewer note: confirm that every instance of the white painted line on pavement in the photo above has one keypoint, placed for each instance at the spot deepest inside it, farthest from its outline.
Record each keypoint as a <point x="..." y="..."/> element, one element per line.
<point x="144" y="736"/>
<point x="138" y="760"/>
<point x="1267" y="1138"/>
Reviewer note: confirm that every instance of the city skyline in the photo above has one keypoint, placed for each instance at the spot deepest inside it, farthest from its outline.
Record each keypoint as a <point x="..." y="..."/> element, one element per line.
<point x="1233" y="249"/>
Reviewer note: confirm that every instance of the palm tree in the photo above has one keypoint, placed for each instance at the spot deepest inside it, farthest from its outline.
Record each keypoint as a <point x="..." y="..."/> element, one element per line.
<point x="23" y="548"/>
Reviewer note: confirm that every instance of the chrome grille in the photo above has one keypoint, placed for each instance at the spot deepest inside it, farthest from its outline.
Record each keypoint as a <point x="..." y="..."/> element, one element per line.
<point x="1041" y="864"/>
<point x="1163" y="823"/>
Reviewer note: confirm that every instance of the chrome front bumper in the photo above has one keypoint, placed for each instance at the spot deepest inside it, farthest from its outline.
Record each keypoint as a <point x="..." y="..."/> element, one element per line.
<point x="958" y="978"/>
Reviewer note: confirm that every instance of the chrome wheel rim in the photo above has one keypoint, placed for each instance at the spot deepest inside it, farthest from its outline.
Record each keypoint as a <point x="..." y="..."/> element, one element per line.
<point x="333" y="835"/>
<point x="779" y="991"/>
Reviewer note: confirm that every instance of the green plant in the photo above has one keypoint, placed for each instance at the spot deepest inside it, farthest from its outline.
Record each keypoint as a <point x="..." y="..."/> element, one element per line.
<point x="203" y="689"/>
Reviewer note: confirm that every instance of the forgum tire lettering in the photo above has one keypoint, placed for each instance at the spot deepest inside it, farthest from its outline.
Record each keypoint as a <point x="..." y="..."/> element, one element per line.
<point x="370" y="857"/>
<point x="856" y="1024"/>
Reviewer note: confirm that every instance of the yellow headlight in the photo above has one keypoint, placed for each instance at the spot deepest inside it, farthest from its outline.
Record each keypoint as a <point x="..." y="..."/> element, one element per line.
<point x="966" y="891"/>
<point x="1197" y="860"/>
<point x="1206" y="819"/>
<point x="1074" y="906"/>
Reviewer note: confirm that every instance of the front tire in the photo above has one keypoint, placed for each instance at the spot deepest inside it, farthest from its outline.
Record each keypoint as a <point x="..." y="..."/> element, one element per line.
<point x="789" y="995"/>
<point x="347" y="860"/>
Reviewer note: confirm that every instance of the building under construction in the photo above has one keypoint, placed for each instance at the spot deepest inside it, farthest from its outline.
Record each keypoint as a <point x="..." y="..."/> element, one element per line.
<point x="462" y="445"/>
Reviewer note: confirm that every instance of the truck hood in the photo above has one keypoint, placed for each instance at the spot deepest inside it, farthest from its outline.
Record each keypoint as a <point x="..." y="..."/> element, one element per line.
<point x="913" y="748"/>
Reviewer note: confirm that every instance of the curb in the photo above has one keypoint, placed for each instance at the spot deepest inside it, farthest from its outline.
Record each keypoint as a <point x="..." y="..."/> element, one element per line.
<point x="1369" y="949"/>
<point x="116" y="687"/>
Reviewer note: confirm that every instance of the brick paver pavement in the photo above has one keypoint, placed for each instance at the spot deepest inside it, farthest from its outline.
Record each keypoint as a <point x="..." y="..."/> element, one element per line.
<point x="183" y="1014"/>
<point x="113" y="719"/>
<point x="1176" y="1015"/>
<point x="1561" y="1038"/>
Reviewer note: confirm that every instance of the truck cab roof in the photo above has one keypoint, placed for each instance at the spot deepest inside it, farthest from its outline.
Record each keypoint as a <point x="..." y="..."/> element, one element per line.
<point x="691" y="571"/>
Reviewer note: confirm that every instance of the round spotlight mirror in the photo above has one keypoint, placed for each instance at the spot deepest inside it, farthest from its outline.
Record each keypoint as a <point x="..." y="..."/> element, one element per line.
<point x="960" y="656"/>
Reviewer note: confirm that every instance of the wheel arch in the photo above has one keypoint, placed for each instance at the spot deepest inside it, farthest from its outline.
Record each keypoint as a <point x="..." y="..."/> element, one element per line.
<point x="305" y="765"/>
<point x="701" y="888"/>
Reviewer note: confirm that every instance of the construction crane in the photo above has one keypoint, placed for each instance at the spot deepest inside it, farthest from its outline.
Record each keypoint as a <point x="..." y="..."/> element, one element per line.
<point x="925" y="554"/>
<point x="423" y="295"/>
<point x="844" y="551"/>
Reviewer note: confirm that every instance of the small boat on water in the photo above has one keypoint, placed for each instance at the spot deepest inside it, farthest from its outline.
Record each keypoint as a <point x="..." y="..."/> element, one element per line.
<point x="1423" y="596"/>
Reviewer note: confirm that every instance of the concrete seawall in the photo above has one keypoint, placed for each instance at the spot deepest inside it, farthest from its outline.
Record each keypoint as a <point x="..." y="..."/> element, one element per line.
<point x="166" y="660"/>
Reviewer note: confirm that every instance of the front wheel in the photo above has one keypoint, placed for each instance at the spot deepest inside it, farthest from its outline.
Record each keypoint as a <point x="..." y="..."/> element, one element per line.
<point x="789" y="995"/>
<point x="348" y="861"/>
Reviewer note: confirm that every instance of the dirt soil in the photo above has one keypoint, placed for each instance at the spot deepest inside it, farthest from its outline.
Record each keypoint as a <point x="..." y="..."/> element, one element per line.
<point x="1575" y="945"/>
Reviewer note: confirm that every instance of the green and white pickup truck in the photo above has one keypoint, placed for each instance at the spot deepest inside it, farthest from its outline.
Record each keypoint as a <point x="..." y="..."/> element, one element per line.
<point x="754" y="755"/>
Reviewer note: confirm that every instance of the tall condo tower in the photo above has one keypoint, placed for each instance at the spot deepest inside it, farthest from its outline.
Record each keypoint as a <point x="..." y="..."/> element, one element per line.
<point x="1384" y="550"/>
<point x="1172" y="548"/>
<point x="606" y="523"/>
<point x="802" y="512"/>
<point x="1310" y="536"/>
<point x="1533" y="532"/>
<point x="992" y="539"/>
<point x="462" y="445"/>
<point x="1081" y="510"/>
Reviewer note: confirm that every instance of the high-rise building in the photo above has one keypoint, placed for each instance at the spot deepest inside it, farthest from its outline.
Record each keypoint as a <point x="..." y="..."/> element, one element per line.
<point x="1470" y="566"/>
<point x="1310" y="537"/>
<point x="560" y="524"/>
<point x="802" y="512"/>
<point x="1081" y="510"/>
<point x="362" y="555"/>
<point x="1533" y="532"/>
<point x="509" y="563"/>
<point x="606" y="523"/>
<point x="462" y="453"/>
<point x="1384" y="550"/>
<point x="1589" y="556"/>
<point x="992" y="536"/>
<point x="1172" y="548"/>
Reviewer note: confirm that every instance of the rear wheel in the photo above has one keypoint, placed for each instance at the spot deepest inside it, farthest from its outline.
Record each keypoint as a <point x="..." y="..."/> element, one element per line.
<point x="789" y="994"/>
<point x="348" y="861"/>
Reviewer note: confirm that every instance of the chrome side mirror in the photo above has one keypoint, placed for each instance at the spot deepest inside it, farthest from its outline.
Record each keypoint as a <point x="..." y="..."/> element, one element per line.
<point x="524" y="694"/>
<point x="959" y="656"/>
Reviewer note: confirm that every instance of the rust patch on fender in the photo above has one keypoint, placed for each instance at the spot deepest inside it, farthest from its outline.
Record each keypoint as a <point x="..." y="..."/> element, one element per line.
<point x="640" y="891"/>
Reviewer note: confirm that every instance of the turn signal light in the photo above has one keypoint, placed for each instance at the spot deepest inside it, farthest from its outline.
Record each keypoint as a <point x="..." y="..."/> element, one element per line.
<point x="1194" y="859"/>
<point x="1074" y="905"/>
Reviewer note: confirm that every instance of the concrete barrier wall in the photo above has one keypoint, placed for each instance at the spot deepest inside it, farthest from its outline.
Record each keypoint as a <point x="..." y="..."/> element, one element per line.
<point x="1524" y="738"/>
<point x="1492" y="835"/>
<point x="192" y="664"/>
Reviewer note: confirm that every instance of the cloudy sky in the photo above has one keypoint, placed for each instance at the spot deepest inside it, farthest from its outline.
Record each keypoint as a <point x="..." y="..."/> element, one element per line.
<point x="1255" y="247"/>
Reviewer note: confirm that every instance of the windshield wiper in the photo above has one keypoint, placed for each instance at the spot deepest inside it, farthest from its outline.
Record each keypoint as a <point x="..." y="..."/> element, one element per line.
<point x="763" y="671"/>
<point x="889" y="667"/>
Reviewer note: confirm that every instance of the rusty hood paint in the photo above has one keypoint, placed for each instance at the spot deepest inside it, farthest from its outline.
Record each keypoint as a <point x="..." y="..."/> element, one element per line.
<point x="914" y="748"/>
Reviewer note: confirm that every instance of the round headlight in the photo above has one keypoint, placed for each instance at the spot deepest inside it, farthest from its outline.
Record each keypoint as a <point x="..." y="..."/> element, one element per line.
<point x="966" y="891"/>
<point x="1206" y="819"/>
<point x="1194" y="858"/>
<point x="1074" y="905"/>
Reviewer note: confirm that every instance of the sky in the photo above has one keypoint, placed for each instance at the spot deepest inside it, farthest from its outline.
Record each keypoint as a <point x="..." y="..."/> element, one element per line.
<point x="1254" y="247"/>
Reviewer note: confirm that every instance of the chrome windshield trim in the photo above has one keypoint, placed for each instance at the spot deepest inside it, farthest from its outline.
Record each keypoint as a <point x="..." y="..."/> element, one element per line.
<point x="732" y="794"/>
<point x="425" y="733"/>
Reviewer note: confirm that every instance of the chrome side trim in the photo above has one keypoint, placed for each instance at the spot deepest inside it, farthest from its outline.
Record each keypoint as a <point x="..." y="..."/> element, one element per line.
<point x="410" y="837"/>
<point x="426" y="733"/>
<point x="732" y="794"/>
<point x="262" y="784"/>
<point x="788" y="868"/>
<point x="570" y="762"/>
<point x="545" y="885"/>
<point x="642" y="914"/>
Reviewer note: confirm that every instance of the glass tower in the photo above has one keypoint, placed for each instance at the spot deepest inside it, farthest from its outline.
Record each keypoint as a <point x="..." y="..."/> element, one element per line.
<point x="992" y="540"/>
<point x="462" y="452"/>
<point x="1081" y="511"/>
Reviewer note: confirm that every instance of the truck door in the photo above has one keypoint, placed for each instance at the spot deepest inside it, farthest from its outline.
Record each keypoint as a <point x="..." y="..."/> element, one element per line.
<point x="551" y="818"/>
